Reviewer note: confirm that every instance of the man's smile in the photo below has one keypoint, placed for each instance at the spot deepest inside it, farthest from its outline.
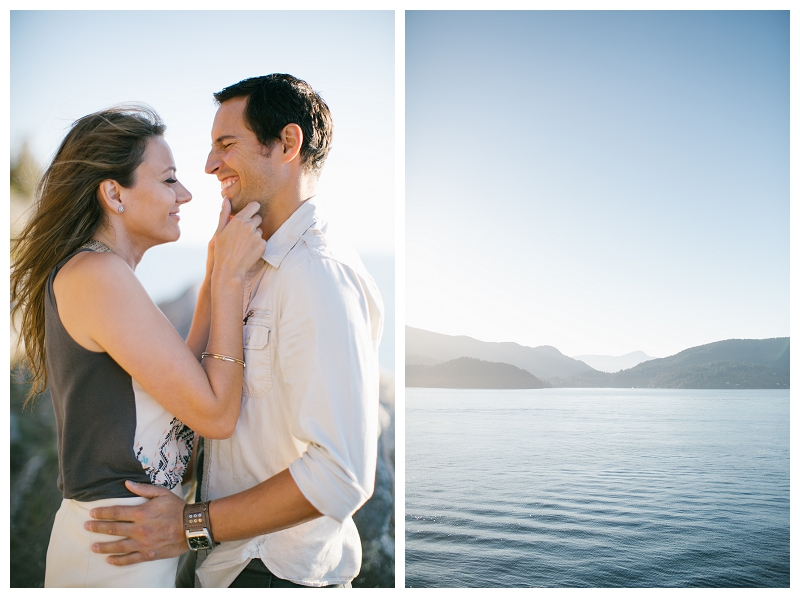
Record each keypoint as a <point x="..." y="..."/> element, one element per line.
<point x="227" y="182"/>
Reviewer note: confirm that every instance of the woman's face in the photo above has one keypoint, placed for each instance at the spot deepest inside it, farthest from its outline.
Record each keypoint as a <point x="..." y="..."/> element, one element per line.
<point x="152" y="204"/>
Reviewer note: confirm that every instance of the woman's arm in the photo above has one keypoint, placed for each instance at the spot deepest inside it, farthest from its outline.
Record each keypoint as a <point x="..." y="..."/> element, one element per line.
<point x="104" y="308"/>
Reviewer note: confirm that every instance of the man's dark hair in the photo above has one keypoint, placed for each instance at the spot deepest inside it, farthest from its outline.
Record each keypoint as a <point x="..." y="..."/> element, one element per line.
<point x="276" y="100"/>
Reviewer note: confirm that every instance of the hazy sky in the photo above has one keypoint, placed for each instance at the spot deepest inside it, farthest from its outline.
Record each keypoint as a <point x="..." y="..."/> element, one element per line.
<point x="67" y="64"/>
<point x="602" y="182"/>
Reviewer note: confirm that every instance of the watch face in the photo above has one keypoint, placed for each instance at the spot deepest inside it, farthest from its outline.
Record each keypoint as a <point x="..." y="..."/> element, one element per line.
<point x="199" y="540"/>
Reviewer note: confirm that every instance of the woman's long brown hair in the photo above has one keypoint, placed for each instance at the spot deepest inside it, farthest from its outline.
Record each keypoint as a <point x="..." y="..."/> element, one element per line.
<point x="106" y="145"/>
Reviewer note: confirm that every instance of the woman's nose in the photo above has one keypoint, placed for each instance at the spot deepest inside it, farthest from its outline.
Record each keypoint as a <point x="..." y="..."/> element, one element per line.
<point x="184" y="194"/>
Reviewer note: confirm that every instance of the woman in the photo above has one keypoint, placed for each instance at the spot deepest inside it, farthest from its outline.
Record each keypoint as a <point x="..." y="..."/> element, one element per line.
<point x="127" y="390"/>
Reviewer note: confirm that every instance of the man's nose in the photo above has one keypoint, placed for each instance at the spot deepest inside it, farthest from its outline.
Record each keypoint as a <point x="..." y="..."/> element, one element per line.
<point x="212" y="163"/>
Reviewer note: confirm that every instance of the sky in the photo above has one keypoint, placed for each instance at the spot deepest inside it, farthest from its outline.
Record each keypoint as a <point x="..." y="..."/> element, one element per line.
<point x="66" y="64"/>
<point x="602" y="182"/>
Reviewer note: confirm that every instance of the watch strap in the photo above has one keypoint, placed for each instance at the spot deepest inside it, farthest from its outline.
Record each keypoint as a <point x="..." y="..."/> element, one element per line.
<point x="196" y="518"/>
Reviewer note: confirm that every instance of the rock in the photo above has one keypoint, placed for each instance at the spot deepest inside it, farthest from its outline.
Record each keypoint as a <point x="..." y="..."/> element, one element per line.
<point x="181" y="310"/>
<point x="375" y="520"/>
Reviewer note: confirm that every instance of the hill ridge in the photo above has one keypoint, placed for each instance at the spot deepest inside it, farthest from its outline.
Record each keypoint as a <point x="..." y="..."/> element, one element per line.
<point x="730" y="363"/>
<point x="544" y="361"/>
<point x="469" y="372"/>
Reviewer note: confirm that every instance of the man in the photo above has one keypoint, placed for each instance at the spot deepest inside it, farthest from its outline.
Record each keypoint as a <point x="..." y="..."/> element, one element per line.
<point x="302" y="460"/>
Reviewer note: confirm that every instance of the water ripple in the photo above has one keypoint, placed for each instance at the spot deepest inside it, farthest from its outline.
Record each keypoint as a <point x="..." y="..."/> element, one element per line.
<point x="675" y="489"/>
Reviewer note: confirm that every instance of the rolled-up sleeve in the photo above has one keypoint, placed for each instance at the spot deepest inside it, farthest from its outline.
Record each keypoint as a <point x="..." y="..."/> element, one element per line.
<point x="330" y="323"/>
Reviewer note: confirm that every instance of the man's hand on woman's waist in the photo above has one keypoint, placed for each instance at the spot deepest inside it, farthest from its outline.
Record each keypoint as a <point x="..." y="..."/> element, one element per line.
<point x="154" y="530"/>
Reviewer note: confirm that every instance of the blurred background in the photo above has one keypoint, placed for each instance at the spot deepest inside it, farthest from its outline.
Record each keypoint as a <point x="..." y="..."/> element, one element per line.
<point x="66" y="64"/>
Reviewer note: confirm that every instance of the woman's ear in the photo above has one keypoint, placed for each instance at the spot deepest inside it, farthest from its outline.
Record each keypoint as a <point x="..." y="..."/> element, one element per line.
<point x="292" y="141"/>
<point x="109" y="194"/>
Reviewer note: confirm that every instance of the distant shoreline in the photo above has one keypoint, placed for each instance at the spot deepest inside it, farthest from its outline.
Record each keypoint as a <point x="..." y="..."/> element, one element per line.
<point x="439" y="361"/>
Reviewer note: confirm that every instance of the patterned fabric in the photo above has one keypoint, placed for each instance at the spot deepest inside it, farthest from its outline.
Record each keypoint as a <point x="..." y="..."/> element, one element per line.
<point x="96" y="246"/>
<point x="168" y="464"/>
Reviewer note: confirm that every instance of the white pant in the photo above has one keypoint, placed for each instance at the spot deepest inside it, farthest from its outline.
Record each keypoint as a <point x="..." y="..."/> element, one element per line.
<point x="72" y="564"/>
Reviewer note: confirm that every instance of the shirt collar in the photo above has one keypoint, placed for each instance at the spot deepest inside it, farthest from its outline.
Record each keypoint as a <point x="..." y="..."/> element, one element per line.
<point x="289" y="233"/>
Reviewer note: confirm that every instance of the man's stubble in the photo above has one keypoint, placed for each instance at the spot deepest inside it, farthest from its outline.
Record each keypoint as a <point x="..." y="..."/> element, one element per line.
<point x="263" y="193"/>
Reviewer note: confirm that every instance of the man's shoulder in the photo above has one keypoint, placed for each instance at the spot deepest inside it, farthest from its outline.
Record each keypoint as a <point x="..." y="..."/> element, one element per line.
<point x="323" y="263"/>
<point x="319" y="247"/>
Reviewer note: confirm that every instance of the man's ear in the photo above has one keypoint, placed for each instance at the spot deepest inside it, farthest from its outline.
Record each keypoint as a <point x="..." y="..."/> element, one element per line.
<point x="109" y="194"/>
<point x="292" y="141"/>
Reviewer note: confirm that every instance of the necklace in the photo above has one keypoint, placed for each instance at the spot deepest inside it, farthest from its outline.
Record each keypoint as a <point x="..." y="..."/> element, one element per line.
<point x="96" y="246"/>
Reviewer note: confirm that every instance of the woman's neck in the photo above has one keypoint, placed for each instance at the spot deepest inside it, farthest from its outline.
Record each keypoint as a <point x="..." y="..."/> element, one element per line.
<point x="121" y="244"/>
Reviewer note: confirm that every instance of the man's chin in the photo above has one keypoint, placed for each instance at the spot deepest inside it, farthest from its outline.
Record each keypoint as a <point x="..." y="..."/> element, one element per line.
<point x="236" y="207"/>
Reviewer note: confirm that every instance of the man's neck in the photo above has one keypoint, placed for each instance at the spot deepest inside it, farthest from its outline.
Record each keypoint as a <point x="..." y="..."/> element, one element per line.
<point x="282" y="207"/>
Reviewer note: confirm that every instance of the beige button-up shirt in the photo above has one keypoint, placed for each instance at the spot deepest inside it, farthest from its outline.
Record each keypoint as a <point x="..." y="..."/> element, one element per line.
<point x="313" y="323"/>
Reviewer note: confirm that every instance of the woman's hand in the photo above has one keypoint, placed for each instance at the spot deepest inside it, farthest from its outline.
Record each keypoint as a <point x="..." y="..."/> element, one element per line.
<point x="237" y="245"/>
<point x="224" y="218"/>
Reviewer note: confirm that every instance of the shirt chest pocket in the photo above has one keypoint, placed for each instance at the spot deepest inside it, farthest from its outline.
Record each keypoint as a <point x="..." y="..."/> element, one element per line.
<point x="257" y="337"/>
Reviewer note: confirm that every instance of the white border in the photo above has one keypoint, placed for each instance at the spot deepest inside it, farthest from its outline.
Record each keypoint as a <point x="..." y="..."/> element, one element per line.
<point x="399" y="7"/>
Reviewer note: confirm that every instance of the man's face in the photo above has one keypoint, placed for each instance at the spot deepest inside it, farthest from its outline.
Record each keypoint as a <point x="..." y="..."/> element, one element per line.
<point x="242" y="165"/>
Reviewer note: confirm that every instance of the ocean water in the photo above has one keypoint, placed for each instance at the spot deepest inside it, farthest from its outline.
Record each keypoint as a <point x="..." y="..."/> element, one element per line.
<point x="597" y="488"/>
<point x="167" y="271"/>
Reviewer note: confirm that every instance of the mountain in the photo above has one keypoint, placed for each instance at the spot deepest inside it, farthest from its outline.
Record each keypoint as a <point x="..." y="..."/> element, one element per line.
<point x="414" y="359"/>
<point x="467" y="372"/>
<point x="609" y="363"/>
<point x="735" y="363"/>
<point x="543" y="362"/>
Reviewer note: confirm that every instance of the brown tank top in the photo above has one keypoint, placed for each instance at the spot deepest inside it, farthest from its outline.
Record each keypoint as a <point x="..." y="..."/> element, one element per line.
<point x="96" y="403"/>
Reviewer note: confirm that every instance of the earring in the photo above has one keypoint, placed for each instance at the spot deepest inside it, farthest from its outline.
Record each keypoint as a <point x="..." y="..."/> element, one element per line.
<point x="121" y="209"/>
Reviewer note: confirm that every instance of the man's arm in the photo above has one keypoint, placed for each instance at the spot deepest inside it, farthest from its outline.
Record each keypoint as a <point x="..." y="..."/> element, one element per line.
<point x="326" y="328"/>
<point x="336" y="322"/>
<point x="155" y="529"/>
